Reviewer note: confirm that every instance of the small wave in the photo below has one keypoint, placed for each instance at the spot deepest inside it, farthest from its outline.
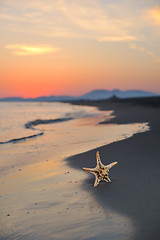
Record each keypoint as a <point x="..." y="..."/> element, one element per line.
<point x="15" y="140"/>
<point x="44" y="121"/>
<point x="35" y="123"/>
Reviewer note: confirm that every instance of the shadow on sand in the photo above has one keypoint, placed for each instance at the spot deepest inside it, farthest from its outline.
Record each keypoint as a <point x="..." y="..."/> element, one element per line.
<point x="135" y="188"/>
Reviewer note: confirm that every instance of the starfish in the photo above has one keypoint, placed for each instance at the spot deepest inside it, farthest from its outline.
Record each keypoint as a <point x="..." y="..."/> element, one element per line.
<point x="101" y="171"/>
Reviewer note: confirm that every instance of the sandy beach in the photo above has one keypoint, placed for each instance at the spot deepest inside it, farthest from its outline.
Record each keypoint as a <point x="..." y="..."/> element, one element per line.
<point x="135" y="188"/>
<point x="47" y="195"/>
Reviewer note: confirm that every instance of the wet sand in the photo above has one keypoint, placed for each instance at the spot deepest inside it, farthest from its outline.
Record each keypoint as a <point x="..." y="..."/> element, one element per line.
<point x="135" y="188"/>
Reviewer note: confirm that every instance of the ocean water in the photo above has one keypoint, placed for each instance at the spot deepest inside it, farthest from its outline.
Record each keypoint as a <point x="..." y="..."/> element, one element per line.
<point x="40" y="195"/>
<point x="41" y="130"/>
<point x="38" y="130"/>
<point x="15" y="115"/>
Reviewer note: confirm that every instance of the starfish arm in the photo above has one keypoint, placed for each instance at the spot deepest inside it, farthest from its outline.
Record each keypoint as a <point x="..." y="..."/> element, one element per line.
<point x="97" y="180"/>
<point x="91" y="170"/>
<point x="107" y="179"/>
<point x="110" y="165"/>
<point x="99" y="163"/>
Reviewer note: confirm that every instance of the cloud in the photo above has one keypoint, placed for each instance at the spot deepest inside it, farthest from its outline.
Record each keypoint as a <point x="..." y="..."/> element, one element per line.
<point x="148" y="52"/>
<point x="104" y="22"/>
<point x="94" y="19"/>
<point x="154" y="14"/>
<point x="124" y="38"/>
<point x="27" y="50"/>
<point x="10" y="17"/>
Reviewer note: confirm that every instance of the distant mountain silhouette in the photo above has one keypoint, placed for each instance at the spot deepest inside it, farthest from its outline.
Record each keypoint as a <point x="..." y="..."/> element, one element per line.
<point x="54" y="98"/>
<point x="97" y="94"/>
<point x="39" y="99"/>
<point x="105" y="94"/>
<point x="93" y="95"/>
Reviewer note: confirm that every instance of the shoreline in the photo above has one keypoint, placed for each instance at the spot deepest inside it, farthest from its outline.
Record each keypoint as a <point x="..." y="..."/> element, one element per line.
<point x="135" y="188"/>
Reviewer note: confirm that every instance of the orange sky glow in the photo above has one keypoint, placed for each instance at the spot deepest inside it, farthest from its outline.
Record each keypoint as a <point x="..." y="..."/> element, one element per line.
<point x="67" y="47"/>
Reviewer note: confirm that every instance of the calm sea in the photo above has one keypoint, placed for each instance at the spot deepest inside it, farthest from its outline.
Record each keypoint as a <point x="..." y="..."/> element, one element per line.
<point x="43" y="130"/>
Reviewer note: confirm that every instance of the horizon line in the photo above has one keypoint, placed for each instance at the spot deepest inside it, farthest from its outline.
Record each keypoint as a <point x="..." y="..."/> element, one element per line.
<point x="81" y="94"/>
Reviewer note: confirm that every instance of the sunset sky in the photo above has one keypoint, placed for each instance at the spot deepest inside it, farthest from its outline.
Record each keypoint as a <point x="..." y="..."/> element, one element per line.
<point x="70" y="47"/>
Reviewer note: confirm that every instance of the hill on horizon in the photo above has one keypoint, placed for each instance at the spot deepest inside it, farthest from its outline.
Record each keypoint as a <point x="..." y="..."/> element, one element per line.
<point x="98" y="94"/>
<point x="105" y="94"/>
